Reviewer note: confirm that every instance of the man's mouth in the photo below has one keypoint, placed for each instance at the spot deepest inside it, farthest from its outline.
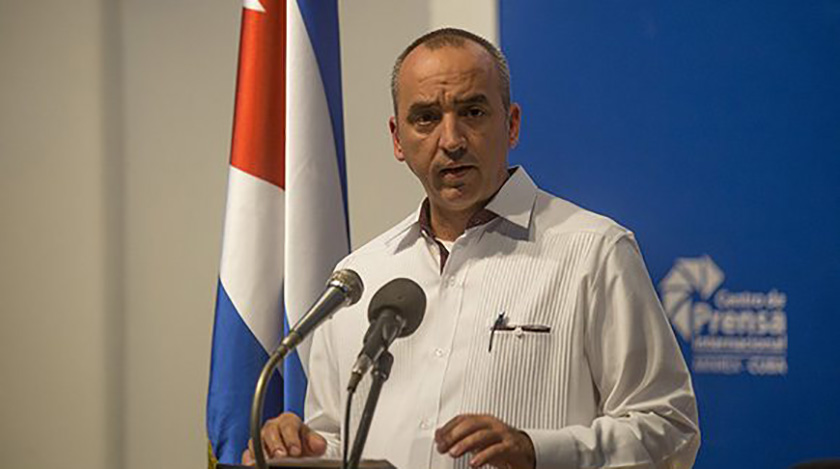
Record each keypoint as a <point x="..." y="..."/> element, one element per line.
<point x="455" y="171"/>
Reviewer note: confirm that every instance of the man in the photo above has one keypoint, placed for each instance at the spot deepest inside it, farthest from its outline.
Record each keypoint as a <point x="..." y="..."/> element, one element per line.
<point x="543" y="343"/>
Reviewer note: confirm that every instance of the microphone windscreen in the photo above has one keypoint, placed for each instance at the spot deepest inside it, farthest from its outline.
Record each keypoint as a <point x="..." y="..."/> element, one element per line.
<point x="405" y="298"/>
<point x="349" y="282"/>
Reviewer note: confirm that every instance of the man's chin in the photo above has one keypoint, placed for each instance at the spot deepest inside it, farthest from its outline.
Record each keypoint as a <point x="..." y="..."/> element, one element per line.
<point x="456" y="200"/>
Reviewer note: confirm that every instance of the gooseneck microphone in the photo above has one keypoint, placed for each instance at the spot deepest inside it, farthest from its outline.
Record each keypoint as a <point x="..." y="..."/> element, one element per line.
<point x="396" y="310"/>
<point x="344" y="288"/>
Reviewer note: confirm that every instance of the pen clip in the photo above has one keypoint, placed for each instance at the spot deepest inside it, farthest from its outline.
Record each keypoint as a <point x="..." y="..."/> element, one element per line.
<point x="498" y="324"/>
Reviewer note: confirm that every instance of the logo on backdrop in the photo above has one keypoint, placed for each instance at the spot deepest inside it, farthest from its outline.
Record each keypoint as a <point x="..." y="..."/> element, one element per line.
<point x="730" y="332"/>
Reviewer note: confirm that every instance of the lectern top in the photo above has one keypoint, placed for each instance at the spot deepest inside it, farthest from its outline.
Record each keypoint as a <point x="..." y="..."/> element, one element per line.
<point x="313" y="463"/>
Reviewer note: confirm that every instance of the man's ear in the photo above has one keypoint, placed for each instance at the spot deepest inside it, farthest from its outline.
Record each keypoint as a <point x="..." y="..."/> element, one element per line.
<point x="514" y="122"/>
<point x="395" y="139"/>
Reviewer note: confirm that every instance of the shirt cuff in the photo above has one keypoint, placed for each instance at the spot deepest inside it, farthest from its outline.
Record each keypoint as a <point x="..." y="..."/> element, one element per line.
<point x="333" y="446"/>
<point x="554" y="449"/>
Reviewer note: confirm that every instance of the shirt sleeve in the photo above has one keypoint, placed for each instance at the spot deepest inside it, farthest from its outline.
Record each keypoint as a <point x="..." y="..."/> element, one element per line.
<point x="323" y="408"/>
<point x="647" y="410"/>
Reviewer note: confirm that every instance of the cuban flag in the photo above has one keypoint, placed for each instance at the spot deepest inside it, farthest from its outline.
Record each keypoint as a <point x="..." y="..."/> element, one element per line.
<point x="286" y="217"/>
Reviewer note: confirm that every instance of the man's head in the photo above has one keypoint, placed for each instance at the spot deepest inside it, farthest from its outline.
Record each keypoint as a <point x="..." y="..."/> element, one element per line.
<point x="453" y="122"/>
<point x="454" y="37"/>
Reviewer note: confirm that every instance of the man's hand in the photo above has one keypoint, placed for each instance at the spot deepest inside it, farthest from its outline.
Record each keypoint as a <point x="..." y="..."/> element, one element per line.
<point x="285" y="436"/>
<point x="489" y="439"/>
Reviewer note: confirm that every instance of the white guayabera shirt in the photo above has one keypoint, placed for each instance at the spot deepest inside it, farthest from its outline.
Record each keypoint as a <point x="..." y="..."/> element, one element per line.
<point x="585" y="363"/>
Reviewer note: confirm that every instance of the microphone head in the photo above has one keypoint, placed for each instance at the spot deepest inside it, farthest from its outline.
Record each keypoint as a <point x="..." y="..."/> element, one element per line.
<point x="349" y="282"/>
<point x="403" y="297"/>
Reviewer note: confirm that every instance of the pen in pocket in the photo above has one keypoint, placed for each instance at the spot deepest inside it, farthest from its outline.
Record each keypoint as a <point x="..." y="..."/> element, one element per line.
<point x="501" y="324"/>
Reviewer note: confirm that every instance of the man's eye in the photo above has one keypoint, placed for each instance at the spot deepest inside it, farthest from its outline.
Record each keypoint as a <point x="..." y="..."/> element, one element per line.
<point x="474" y="112"/>
<point x="425" y="118"/>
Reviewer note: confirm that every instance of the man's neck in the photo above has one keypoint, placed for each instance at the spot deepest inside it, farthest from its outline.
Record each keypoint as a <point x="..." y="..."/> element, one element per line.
<point x="449" y="225"/>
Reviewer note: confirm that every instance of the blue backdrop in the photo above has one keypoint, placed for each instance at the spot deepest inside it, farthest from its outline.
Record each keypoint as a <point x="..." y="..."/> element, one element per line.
<point x="712" y="130"/>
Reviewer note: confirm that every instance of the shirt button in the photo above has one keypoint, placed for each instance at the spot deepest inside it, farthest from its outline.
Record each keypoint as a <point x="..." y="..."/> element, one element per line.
<point x="439" y="352"/>
<point x="426" y="424"/>
<point x="450" y="282"/>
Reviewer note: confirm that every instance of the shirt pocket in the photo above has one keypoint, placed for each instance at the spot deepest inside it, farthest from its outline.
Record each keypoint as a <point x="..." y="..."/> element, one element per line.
<point x="520" y="354"/>
<point x="516" y="378"/>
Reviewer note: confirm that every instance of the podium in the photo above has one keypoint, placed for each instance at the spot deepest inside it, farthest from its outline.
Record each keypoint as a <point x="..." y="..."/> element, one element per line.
<point x="313" y="463"/>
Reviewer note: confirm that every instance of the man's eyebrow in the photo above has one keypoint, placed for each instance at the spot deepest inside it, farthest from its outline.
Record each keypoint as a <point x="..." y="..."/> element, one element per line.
<point x="474" y="99"/>
<point x="422" y="106"/>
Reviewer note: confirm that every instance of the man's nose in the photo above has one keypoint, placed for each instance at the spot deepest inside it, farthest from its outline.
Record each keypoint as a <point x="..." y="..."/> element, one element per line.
<point x="452" y="139"/>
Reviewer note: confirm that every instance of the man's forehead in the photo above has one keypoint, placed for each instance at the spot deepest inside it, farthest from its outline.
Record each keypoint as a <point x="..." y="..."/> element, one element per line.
<point x="467" y="63"/>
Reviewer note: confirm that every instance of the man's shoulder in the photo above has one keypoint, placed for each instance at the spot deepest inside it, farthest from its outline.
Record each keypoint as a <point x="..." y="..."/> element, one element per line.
<point x="555" y="216"/>
<point x="381" y="243"/>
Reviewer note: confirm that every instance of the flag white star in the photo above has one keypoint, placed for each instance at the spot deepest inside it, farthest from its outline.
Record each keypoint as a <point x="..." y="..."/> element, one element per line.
<point x="253" y="5"/>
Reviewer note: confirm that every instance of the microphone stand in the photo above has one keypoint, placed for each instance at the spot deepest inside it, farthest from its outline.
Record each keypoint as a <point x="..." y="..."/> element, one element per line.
<point x="381" y="371"/>
<point x="259" y="398"/>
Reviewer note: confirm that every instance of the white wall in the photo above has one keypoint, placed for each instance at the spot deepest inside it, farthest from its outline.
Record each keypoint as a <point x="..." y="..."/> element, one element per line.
<point x="179" y="66"/>
<point x="58" y="379"/>
<point x="380" y="191"/>
<point x="115" y="123"/>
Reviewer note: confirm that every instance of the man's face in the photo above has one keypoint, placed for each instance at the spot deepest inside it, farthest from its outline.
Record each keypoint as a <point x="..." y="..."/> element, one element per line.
<point x="451" y="128"/>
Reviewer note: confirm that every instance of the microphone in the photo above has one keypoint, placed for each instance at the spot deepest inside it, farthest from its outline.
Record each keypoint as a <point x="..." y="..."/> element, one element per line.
<point x="344" y="288"/>
<point x="396" y="310"/>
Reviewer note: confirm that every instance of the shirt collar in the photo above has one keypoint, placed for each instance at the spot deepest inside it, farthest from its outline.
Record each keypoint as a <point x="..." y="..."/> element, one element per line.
<point x="514" y="202"/>
<point x="424" y="219"/>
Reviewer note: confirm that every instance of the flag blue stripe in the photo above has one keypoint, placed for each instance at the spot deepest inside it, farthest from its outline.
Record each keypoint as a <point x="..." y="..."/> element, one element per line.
<point x="295" y="382"/>
<point x="236" y="362"/>
<point x="321" y="21"/>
